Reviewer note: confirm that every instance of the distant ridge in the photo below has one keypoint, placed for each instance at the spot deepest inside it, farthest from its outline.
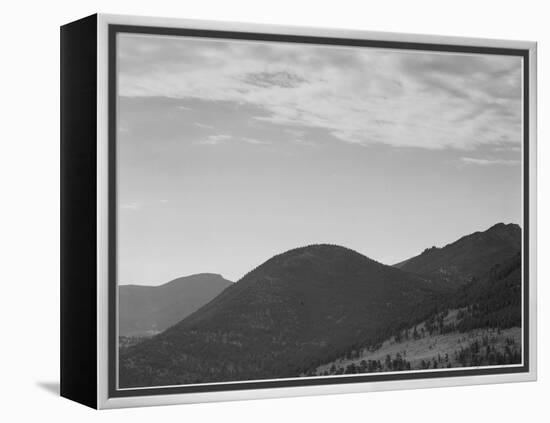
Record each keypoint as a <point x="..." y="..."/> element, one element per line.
<point x="147" y="310"/>
<point x="471" y="255"/>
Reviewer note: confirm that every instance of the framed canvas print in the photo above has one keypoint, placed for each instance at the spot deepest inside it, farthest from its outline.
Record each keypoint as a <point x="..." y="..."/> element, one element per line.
<point x="255" y="211"/>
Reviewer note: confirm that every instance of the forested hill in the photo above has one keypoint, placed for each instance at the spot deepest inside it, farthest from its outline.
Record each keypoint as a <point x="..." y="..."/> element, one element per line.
<point x="494" y="299"/>
<point x="298" y="309"/>
<point x="480" y="325"/>
<point x="314" y="304"/>
<point x="472" y="255"/>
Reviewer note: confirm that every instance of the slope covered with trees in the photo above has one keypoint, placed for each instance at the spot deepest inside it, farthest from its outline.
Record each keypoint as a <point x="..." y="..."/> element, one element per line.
<point x="296" y="310"/>
<point x="322" y="304"/>
<point x="473" y="255"/>
<point x="478" y="325"/>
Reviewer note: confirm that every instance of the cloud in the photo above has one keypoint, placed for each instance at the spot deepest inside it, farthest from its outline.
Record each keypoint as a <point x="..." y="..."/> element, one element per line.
<point x="299" y="137"/>
<point x="216" y="139"/>
<point x="255" y="141"/>
<point x="133" y="206"/>
<point x="489" y="162"/>
<point x="203" y="125"/>
<point x="308" y="143"/>
<point x="224" y="138"/>
<point x="356" y="95"/>
<point x="297" y="133"/>
<point x="282" y="79"/>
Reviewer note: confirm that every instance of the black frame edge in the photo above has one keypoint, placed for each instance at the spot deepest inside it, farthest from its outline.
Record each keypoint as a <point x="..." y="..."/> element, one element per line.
<point x="78" y="211"/>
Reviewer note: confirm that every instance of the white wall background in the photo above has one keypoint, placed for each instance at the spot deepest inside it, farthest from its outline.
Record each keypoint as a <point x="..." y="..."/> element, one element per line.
<point x="29" y="182"/>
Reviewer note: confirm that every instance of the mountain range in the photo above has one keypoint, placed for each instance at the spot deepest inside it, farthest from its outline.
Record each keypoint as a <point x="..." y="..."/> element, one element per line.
<point x="310" y="305"/>
<point x="148" y="310"/>
<point x="474" y="254"/>
<point x="478" y="325"/>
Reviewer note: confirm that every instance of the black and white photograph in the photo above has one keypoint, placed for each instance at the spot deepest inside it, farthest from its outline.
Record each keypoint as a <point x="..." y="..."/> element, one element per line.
<point x="254" y="212"/>
<point x="299" y="211"/>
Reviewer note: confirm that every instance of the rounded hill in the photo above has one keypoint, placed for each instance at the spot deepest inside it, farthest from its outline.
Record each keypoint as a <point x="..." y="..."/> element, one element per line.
<point x="296" y="309"/>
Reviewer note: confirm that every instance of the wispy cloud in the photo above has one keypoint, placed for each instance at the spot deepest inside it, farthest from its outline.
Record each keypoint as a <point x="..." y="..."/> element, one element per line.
<point x="489" y="162"/>
<point x="215" y="139"/>
<point x="356" y="95"/>
<point x="283" y="79"/>
<point x="300" y="137"/>
<point x="306" y="142"/>
<point x="203" y="125"/>
<point x="255" y="141"/>
<point x="133" y="206"/>
<point x="296" y="133"/>
<point x="224" y="138"/>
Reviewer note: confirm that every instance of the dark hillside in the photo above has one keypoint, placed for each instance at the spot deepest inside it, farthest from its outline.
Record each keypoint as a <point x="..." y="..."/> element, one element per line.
<point x="298" y="309"/>
<point x="493" y="300"/>
<point x="472" y="255"/>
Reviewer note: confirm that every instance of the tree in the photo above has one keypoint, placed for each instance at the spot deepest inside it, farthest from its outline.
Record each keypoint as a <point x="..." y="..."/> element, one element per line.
<point x="388" y="362"/>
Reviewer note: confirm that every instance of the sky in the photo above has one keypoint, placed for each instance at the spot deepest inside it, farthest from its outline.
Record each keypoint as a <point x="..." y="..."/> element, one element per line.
<point x="230" y="152"/>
